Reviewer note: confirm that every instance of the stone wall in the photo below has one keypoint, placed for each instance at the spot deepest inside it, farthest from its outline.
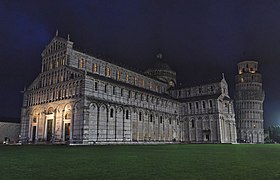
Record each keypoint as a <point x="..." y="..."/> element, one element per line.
<point x="9" y="130"/>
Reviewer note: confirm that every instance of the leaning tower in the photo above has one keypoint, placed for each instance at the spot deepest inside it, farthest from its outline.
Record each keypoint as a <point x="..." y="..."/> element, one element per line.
<point x="249" y="97"/>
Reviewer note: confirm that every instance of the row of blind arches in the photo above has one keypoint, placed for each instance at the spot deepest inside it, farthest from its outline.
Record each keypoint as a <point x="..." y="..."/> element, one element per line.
<point x="151" y="117"/>
<point x="132" y="94"/>
<point x="69" y="90"/>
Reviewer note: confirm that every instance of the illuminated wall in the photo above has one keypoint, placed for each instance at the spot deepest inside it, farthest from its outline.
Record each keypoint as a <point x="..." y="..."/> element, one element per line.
<point x="249" y="98"/>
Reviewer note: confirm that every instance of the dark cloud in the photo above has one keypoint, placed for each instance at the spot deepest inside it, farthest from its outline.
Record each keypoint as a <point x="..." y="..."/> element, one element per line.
<point x="199" y="39"/>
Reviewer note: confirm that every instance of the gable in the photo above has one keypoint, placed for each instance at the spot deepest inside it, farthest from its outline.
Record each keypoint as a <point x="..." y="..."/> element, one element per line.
<point x="56" y="44"/>
<point x="35" y="84"/>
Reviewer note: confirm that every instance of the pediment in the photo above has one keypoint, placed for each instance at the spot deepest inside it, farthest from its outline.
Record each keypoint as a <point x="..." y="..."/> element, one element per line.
<point x="56" y="44"/>
<point x="73" y="72"/>
<point x="35" y="84"/>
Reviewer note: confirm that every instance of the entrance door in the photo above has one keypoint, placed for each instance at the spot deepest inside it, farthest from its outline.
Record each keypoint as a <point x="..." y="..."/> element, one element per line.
<point x="67" y="131"/>
<point x="206" y="135"/>
<point x="33" y="133"/>
<point x="49" y="130"/>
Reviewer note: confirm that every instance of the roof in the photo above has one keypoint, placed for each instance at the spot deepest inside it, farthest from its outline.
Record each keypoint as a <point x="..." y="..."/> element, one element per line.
<point x="120" y="83"/>
<point x="10" y="119"/>
<point x="227" y="98"/>
<point x="197" y="98"/>
<point x="160" y="65"/>
<point x="247" y="61"/>
<point x="122" y="65"/>
<point x="200" y="83"/>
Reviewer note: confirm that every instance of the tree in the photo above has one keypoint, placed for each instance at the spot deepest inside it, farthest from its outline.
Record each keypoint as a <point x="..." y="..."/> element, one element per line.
<point x="274" y="133"/>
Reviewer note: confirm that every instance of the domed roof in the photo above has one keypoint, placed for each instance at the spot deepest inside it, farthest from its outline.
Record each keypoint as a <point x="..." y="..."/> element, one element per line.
<point x="159" y="64"/>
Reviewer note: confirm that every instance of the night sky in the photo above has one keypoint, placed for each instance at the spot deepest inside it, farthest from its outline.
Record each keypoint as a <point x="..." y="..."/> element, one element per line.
<point x="198" y="39"/>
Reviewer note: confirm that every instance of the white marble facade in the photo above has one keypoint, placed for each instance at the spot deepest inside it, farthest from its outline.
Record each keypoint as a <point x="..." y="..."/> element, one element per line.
<point x="80" y="99"/>
<point x="249" y="98"/>
<point x="207" y="113"/>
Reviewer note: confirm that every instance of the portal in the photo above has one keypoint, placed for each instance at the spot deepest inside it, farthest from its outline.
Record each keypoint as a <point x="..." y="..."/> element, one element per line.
<point x="67" y="132"/>
<point x="33" y="133"/>
<point x="49" y="130"/>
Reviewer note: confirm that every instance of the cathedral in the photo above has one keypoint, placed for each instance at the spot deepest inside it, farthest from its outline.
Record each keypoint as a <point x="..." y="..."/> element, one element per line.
<point x="81" y="99"/>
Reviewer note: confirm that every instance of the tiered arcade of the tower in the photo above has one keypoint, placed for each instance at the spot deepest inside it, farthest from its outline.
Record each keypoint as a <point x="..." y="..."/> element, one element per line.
<point x="249" y="98"/>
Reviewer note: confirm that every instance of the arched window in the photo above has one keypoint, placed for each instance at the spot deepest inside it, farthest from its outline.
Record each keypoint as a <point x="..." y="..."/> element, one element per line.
<point x="108" y="71"/>
<point x="82" y="63"/>
<point x="112" y="113"/>
<point x="95" y="67"/>
<point x="192" y="123"/>
<point x="68" y="115"/>
<point x="135" y="80"/>
<point x="126" y="77"/>
<point x="114" y="90"/>
<point x="126" y="114"/>
<point x="96" y="86"/>
<point x="160" y="119"/>
<point x="151" y="118"/>
<point x="140" y="116"/>
<point x="121" y="91"/>
<point x="203" y="104"/>
<point x="119" y="75"/>
<point x="210" y="103"/>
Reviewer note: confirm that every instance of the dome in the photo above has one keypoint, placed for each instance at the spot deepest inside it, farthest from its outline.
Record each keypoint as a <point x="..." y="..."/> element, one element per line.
<point x="162" y="71"/>
<point x="160" y="65"/>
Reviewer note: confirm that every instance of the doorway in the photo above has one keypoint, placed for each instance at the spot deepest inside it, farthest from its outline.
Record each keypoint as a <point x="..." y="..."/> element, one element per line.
<point x="67" y="131"/>
<point x="49" y="129"/>
<point x="206" y="135"/>
<point x="33" y="133"/>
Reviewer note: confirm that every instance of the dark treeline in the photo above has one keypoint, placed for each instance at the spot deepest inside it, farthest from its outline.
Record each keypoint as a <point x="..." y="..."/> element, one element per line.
<point x="274" y="134"/>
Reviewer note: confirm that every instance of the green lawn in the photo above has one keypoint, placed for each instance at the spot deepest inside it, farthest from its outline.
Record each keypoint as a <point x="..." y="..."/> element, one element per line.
<point x="141" y="162"/>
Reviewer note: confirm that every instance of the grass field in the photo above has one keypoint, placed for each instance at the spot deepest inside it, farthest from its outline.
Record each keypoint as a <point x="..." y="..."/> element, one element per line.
<point x="141" y="162"/>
